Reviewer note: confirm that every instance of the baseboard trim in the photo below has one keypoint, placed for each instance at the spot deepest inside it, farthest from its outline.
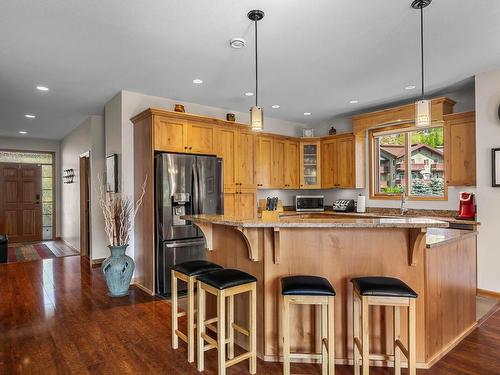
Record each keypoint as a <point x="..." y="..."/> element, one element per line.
<point x="143" y="288"/>
<point x="487" y="293"/>
<point x="69" y="245"/>
<point x="96" y="263"/>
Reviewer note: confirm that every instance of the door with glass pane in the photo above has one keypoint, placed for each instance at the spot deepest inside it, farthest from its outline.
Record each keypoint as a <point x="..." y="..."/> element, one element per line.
<point x="310" y="177"/>
<point x="20" y="202"/>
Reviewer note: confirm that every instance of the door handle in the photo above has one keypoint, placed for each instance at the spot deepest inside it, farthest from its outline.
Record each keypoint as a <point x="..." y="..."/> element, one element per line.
<point x="184" y="244"/>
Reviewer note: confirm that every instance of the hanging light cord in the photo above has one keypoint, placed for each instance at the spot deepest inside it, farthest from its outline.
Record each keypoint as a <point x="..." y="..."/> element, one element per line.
<point x="422" y="45"/>
<point x="256" y="69"/>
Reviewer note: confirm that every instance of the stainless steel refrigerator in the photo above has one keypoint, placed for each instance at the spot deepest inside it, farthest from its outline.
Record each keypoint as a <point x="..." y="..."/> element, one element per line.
<point x="184" y="185"/>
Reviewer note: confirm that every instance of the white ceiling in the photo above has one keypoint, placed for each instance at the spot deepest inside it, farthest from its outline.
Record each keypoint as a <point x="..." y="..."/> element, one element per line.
<point x="314" y="55"/>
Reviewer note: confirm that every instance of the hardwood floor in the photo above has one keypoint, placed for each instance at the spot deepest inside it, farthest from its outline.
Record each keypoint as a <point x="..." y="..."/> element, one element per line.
<point x="56" y="318"/>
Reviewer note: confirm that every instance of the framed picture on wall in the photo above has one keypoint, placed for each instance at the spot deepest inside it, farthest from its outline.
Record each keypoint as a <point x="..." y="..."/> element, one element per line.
<point x="495" y="162"/>
<point x="112" y="173"/>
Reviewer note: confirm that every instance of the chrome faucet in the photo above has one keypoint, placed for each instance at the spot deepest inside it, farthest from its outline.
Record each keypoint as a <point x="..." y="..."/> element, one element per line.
<point x="404" y="198"/>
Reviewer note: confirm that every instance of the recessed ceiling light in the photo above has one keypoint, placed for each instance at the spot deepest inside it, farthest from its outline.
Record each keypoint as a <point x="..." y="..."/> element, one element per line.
<point x="354" y="101"/>
<point x="197" y="81"/>
<point x="410" y="87"/>
<point x="23" y="132"/>
<point x="42" y="88"/>
<point x="238" y="43"/>
<point x="249" y="93"/>
<point x="275" y="106"/>
<point x="29" y="115"/>
<point x="307" y="113"/>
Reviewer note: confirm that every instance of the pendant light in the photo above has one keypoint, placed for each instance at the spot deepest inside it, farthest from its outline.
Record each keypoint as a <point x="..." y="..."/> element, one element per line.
<point x="256" y="113"/>
<point x="423" y="116"/>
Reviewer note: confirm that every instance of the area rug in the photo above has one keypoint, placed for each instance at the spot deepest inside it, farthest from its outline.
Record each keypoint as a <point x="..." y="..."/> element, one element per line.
<point x="28" y="252"/>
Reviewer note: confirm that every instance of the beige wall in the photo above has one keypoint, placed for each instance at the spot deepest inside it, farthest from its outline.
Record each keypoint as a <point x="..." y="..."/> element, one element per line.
<point x="32" y="144"/>
<point x="87" y="137"/>
<point x="488" y="197"/>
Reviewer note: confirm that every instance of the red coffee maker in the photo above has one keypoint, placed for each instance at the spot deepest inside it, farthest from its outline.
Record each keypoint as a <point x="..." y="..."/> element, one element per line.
<point x="467" y="208"/>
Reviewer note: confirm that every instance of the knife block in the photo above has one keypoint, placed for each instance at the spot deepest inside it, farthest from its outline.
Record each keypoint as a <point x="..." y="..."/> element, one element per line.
<point x="269" y="216"/>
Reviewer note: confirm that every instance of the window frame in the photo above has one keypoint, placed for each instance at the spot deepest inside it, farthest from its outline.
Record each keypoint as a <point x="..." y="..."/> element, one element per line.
<point x="406" y="128"/>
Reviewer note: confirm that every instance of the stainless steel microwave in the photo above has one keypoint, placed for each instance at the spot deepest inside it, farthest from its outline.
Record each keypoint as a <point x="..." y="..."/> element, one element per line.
<point x="309" y="203"/>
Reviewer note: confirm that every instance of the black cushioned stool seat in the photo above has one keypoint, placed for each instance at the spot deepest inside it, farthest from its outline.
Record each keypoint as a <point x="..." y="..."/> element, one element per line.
<point x="383" y="287"/>
<point x="226" y="278"/>
<point x="196" y="267"/>
<point x="306" y="286"/>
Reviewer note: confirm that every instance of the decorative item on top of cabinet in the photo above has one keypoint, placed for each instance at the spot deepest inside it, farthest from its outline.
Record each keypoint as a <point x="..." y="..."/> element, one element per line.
<point x="460" y="148"/>
<point x="307" y="132"/>
<point x="310" y="165"/>
<point x="179" y="108"/>
<point x="231" y="117"/>
<point x="332" y="131"/>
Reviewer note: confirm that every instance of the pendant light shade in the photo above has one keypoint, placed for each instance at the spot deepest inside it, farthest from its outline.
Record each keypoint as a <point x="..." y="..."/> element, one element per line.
<point x="423" y="116"/>
<point x="257" y="118"/>
<point x="256" y="113"/>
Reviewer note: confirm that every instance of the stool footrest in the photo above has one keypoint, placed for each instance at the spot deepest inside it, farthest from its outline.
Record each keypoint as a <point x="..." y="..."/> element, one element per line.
<point x="401" y="347"/>
<point x="238" y="359"/>
<point x="181" y="335"/>
<point x="209" y="339"/>
<point x="181" y="314"/>
<point x="305" y="356"/>
<point x="358" y="344"/>
<point x="240" y="329"/>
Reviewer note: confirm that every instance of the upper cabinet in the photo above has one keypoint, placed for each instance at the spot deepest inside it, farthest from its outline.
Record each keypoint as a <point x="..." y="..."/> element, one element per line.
<point x="460" y="148"/>
<point x="264" y="158"/>
<point x="178" y="135"/>
<point x="245" y="159"/>
<point x="338" y="162"/>
<point x="310" y="164"/>
<point x="292" y="164"/>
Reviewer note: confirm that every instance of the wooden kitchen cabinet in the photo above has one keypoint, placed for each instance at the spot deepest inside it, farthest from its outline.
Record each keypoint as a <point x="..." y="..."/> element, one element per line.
<point x="240" y="203"/>
<point x="178" y="135"/>
<point x="338" y="168"/>
<point x="264" y="158"/>
<point x="226" y="148"/>
<point x="310" y="165"/>
<point x="278" y="163"/>
<point x="292" y="164"/>
<point x="245" y="159"/>
<point x="460" y="148"/>
<point x="170" y="134"/>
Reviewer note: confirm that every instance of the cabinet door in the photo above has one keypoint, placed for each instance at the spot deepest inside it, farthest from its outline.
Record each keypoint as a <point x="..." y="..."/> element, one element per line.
<point x="247" y="204"/>
<point x="230" y="202"/>
<point x="245" y="160"/>
<point x="292" y="165"/>
<point x="226" y="147"/>
<point x="310" y="165"/>
<point x="345" y="163"/>
<point x="460" y="149"/>
<point x="169" y="134"/>
<point x="264" y="161"/>
<point x="200" y="138"/>
<point x="328" y="163"/>
<point x="278" y="164"/>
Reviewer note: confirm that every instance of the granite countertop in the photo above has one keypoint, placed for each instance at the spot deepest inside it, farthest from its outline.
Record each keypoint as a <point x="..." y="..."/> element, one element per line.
<point x="442" y="236"/>
<point x="442" y="217"/>
<point x="311" y="221"/>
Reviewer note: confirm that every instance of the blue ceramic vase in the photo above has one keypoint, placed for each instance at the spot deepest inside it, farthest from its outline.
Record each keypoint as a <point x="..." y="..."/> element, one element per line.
<point x="118" y="270"/>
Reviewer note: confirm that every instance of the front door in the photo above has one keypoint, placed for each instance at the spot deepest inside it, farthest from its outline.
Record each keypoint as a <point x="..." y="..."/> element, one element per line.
<point x="20" y="202"/>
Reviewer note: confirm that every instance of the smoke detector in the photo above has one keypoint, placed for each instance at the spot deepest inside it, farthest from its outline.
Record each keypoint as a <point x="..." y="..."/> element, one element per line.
<point x="238" y="43"/>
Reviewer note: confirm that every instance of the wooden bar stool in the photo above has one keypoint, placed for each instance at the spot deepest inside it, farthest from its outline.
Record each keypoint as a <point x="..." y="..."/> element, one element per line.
<point x="383" y="291"/>
<point x="224" y="284"/>
<point x="310" y="290"/>
<point x="187" y="272"/>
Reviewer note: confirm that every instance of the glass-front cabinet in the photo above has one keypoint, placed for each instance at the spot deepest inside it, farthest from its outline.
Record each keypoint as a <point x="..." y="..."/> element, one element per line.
<point x="310" y="165"/>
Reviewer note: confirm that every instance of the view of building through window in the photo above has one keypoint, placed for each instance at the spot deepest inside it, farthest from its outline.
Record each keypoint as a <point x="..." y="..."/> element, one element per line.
<point x="45" y="160"/>
<point x="426" y="163"/>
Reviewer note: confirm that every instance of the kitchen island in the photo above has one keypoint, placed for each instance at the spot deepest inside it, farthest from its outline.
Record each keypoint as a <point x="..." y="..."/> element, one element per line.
<point x="438" y="263"/>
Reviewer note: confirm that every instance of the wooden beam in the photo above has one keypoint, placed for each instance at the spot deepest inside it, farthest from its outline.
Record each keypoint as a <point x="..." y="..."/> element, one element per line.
<point x="277" y="248"/>
<point x="416" y="243"/>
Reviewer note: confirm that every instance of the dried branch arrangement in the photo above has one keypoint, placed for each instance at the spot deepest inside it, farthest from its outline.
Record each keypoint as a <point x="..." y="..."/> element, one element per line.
<point x="119" y="211"/>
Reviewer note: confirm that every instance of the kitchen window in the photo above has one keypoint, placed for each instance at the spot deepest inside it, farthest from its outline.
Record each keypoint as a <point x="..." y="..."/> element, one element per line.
<point x="408" y="160"/>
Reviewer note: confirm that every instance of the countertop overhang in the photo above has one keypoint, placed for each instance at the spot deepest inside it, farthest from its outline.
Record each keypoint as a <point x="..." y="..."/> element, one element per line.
<point x="327" y="222"/>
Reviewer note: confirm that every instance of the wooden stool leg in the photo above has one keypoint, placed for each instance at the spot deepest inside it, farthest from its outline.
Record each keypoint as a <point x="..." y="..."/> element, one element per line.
<point x="174" y="305"/>
<point x="253" y="330"/>
<point x="221" y="333"/>
<point x="356" y="322"/>
<point x="412" y="352"/>
<point x="286" y="336"/>
<point x="365" y="341"/>
<point x="324" y="339"/>
<point x="190" y="319"/>
<point x="331" y="335"/>
<point x="200" y="342"/>
<point x="230" y="321"/>
<point x="397" y="336"/>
